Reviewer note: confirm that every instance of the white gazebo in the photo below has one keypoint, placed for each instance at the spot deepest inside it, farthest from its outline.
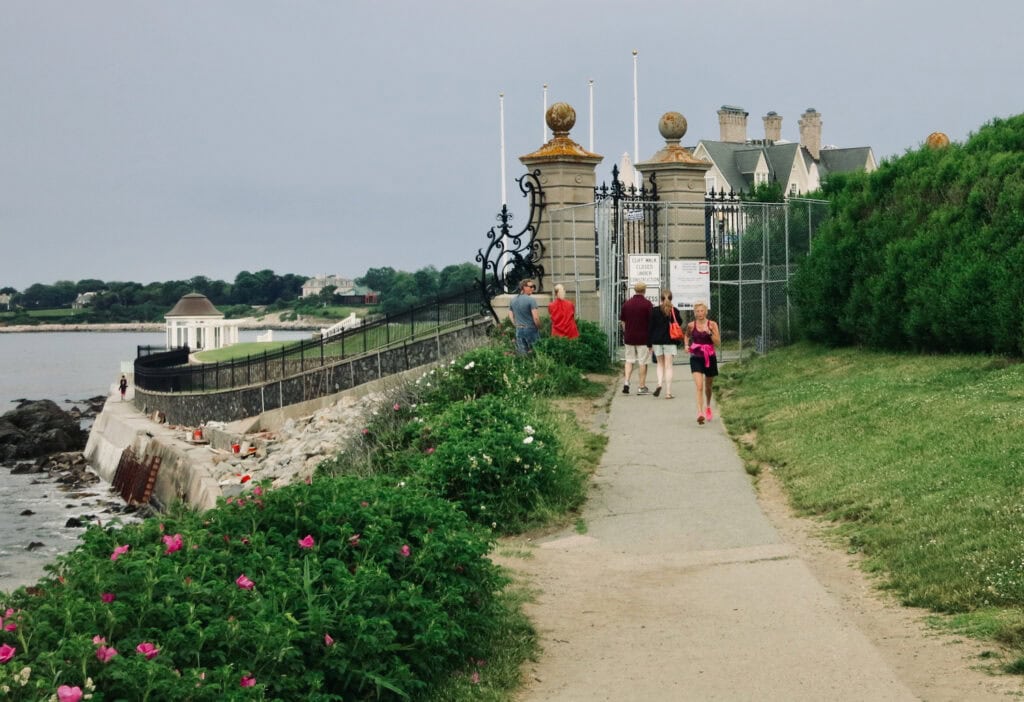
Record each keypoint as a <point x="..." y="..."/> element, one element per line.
<point x="196" y="323"/>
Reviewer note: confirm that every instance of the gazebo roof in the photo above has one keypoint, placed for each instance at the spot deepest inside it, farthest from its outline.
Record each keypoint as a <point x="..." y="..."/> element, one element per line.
<point x="194" y="305"/>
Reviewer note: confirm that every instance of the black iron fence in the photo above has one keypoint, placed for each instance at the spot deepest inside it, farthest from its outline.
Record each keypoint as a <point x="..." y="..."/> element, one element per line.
<point x="633" y="220"/>
<point x="169" y="370"/>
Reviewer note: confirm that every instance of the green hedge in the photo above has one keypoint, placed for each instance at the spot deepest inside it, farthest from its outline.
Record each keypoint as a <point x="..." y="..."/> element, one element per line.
<point x="925" y="253"/>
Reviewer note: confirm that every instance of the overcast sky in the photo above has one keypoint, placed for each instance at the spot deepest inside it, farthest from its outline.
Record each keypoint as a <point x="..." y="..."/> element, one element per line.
<point x="144" y="140"/>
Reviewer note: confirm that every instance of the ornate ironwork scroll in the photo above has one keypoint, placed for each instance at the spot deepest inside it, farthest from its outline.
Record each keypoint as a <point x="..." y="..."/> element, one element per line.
<point x="510" y="258"/>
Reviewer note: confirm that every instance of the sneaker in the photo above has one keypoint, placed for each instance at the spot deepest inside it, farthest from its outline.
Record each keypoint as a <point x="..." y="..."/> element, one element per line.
<point x="625" y="389"/>
<point x="707" y="414"/>
<point x="642" y="391"/>
<point x="657" y="391"/>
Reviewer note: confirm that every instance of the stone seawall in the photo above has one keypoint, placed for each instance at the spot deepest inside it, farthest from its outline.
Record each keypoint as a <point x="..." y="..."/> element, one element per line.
<point x="238" y="403"/>
<point x="189" y="471"/>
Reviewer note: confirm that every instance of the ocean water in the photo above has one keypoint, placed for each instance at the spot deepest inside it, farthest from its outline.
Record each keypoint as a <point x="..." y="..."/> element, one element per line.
<point x="65" y="367"/>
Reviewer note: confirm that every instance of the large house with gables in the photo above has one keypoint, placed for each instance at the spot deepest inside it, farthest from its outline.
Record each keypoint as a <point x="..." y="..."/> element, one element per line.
<point x="740" y="164"/>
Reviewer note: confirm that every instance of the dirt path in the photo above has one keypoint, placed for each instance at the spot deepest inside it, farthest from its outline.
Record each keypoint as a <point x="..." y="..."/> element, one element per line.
<point x="687" y="587"/>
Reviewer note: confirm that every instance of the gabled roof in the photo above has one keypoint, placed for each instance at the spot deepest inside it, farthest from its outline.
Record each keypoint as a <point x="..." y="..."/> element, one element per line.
<point x="194" y="305"/>
<point x="844" y="160"/>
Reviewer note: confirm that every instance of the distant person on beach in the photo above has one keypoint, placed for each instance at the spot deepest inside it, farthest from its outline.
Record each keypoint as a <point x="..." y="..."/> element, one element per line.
<point x="702" y="336"/>
<point x="563" y="315"/>
<point x="122" y="385"/>
<point x="662" y="345"/>
<point x="522" y="311"/>
<point x="635" y="318"/>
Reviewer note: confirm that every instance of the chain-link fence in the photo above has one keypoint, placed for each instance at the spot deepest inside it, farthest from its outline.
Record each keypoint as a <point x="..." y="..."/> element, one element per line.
<point x="752" y="248"/>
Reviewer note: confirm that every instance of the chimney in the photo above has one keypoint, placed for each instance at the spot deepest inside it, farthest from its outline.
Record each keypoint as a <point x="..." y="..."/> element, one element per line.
<point x="732" y="124"/>
<point x="772" y="127"/>
<point x="810" y="132"/>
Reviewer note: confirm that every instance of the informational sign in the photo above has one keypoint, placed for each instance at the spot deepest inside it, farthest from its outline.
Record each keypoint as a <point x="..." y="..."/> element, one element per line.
<point x="690" y="281"/>
<point x="634" y="215"/>
<point x="646" y="269"/>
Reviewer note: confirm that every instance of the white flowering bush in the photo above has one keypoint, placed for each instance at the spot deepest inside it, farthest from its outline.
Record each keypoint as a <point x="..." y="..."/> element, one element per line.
<point x="506" y="469"/>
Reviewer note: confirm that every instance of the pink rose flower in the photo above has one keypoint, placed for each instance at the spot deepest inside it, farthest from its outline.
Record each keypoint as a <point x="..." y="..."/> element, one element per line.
<point x="119" y="551"/>
<point x="354" y="540"/>
<point x="406" y="551"/>
<point x="108" y="597"/>
<point x="173" y="544"/>
<point x="148" y="650"/>
<point x="307" y="541"/>
<point x="244" y="582"/>
<point x="7" y="653"/>
<point x="99" y="639"/>
<point x="430" y="450"/>
<point x="397" y="407"/>
<point x="105" y="653"/>
<point x="247" y="681"/>
<point x="475" y="678"/>
<point x="258" y="491"/>
<point x="69" y="694"/>
<point x="328" y="641"/>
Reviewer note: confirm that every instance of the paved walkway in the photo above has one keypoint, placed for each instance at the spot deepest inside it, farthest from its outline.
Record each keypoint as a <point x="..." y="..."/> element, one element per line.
<point x="681" y="589"/>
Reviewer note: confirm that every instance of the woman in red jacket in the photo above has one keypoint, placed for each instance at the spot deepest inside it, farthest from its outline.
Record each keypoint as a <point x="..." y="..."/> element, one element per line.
<point x="563" y="315"/>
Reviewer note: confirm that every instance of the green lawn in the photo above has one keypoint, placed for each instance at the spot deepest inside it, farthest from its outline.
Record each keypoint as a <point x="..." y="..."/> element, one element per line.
<point x="46" y="314"/>
<point x="918" y="460"/>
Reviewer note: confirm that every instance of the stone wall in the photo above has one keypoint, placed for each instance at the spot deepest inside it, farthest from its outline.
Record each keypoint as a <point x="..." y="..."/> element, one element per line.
<point x="193" y="409"/>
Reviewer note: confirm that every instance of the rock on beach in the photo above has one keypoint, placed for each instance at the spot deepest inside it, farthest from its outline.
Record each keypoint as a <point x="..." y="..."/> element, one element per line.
<point x="38" y="428"/>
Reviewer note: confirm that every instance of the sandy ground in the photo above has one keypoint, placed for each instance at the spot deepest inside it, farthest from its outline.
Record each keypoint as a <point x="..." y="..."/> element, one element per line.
<point x="604" y="614"/>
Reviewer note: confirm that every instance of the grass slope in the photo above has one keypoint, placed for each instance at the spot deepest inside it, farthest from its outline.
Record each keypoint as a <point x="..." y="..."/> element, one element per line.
<point x="918" y="459"/>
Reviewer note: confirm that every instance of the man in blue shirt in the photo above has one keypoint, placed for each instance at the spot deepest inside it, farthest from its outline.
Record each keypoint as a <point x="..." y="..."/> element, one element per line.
<point x="524" y="315"/>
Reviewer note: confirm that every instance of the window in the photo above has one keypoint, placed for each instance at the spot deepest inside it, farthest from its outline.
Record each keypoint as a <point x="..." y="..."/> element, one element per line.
<point x="709" y="184"/>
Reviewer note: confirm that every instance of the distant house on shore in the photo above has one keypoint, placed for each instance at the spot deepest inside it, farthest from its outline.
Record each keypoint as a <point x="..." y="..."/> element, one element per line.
<point x="83" y="300"/>
<point x="315" y="285"/>
<point x="5" y="301"/>
<point x="196" y="323"/>
<point x="740" y="164"/>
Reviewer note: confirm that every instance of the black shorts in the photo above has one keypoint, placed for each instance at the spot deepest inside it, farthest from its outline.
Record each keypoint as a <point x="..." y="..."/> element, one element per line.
<point x="697" y="365"/>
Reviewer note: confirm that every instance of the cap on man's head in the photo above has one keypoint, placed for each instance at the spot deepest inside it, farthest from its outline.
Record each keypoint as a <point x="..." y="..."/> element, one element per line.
<point x="640" y="288"/>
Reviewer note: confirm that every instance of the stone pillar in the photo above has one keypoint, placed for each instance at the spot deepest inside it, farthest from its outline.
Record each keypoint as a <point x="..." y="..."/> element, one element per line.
<point x="680" y="180"/>
<point x="567" y="179"/>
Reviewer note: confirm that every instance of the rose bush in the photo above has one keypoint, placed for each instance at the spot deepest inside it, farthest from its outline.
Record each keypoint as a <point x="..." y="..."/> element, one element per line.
<point x="341" y="589"/>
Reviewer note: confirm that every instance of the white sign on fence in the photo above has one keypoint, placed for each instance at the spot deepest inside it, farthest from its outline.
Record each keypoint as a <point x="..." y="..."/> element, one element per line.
<point x="691" y="282"/>
<point x="646" y="269"/>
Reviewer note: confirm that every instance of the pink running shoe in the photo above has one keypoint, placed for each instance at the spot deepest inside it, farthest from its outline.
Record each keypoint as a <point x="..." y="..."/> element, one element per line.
<point x="707" y="414"/>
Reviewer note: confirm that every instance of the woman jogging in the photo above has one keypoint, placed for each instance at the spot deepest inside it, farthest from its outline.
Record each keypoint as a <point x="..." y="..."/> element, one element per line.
<point x="702" y="336"/>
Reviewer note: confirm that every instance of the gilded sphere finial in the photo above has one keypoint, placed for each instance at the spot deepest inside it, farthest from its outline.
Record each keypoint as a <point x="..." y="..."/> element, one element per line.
<point x="672" y="126"/>
<point x="560" y="118"/>
<point x="937" y="140"/>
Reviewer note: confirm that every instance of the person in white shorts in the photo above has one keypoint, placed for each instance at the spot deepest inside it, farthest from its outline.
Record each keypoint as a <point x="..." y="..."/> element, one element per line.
<point x="634" y="318"/>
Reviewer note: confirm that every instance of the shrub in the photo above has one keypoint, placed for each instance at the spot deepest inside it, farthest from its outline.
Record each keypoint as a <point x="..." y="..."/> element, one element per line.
<point x="588" y="353"/>
<point x="342" y="589"/>
<point x="500" y="461"/>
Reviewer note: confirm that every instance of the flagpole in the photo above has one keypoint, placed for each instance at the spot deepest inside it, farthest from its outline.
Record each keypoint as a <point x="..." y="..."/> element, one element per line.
<point x="636" y="118"/>
<point x="501" y="109"/>
<point x="544" y="117"/>
<point x="591" y="90"/>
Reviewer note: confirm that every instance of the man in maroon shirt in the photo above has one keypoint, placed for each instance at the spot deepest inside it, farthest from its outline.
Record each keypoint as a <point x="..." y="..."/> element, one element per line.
<point x="634" y="319"/>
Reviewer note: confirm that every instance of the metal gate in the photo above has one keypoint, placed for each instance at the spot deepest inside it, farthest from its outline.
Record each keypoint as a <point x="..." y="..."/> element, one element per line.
<point x="625" y="222"/>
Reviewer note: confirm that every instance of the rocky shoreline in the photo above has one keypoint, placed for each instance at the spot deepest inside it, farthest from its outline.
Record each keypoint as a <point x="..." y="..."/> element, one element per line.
<point x="49" y="491"/>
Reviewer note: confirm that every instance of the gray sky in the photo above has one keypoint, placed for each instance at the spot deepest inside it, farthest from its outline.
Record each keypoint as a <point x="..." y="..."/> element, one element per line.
<point x="144" y="140"/>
